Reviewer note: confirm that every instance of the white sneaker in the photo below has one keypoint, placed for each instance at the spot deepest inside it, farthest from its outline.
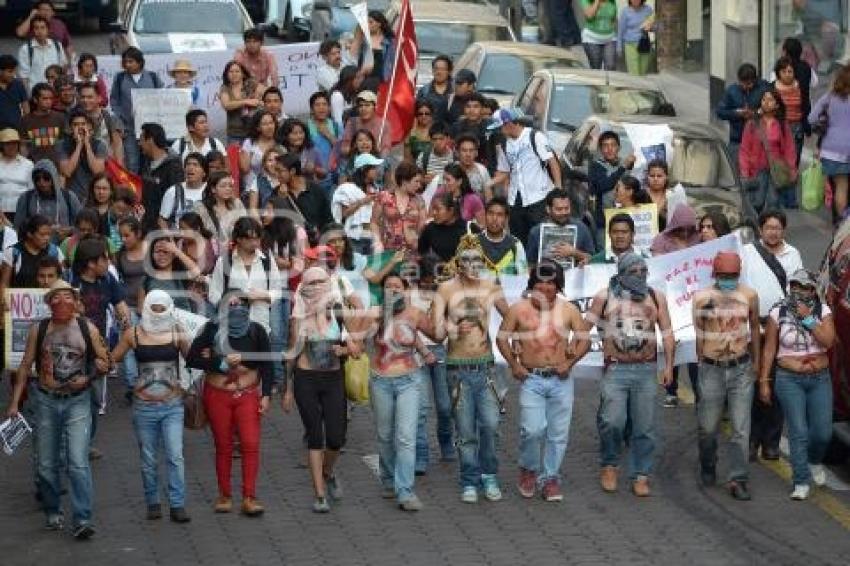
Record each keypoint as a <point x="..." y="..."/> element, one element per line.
<point x="818" y="474"/>
<point x="469" y="494"/>
<point x="800" y="493"/>
<point x="491" y="487"/>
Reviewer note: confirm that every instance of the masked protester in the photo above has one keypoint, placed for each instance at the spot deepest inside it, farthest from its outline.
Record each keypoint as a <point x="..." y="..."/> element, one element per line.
<point x="799" y="332"/>
<point x="235" y="355"/>
<point x="67" y="350"/>
<point x="395" y="389"/>
<point x="627" y="314"/>
<point x="158" y="341"/>
<point x="728" y="344"/>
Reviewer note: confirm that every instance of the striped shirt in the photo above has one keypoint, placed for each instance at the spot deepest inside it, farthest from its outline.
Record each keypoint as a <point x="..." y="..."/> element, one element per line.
<point x="793" y="101"/>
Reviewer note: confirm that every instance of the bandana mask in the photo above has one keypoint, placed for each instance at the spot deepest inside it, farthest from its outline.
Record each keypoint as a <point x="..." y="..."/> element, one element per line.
<point x="727" y="284"/>
<point x="238" y="320"/>
<point x="157" y="322"/>
<point x="62" y="308"/>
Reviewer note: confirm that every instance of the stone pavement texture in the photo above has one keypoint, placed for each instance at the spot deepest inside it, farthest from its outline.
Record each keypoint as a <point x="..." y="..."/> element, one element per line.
<point x="681" y="523"/>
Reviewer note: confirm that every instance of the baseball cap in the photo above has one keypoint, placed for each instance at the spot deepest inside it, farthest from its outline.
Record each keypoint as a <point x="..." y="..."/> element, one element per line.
<point x="368" y="96"/>
<point x="504" y="116"/>
<point x="366" y="159"/>
<point x="317" y="253"/>
<point x="465" y="76"/>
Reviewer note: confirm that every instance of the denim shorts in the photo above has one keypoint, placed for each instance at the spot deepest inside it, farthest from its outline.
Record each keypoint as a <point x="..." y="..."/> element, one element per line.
<point x="832" y="168"/>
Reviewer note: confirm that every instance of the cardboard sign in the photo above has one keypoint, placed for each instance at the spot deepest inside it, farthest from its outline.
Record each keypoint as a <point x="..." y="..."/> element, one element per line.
<point x="26" y="306"/>
<point x="165" y="106"/>
<point x="646" y="227"/>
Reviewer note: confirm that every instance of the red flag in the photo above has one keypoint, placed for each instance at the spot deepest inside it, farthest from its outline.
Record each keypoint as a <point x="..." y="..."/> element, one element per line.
<point x="233" y="164"/>
<point x="397" y="98"/>
<point x="122" y="177"/>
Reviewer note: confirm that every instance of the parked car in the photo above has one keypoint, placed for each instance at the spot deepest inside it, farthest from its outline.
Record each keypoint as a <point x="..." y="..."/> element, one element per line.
<point x="504" y="67"/>
<point x="558" y="100"/>
<point x="700" y="162"/>
<point x="290" y="18"/>
<point x="175" y="26"/>
<point x="329" y="19"/>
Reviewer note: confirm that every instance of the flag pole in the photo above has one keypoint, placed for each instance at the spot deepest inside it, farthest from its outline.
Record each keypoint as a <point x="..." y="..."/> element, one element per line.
<point x="405" y="6"/>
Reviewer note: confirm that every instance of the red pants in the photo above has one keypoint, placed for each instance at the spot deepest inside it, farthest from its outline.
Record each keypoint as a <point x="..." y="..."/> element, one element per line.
<point x="227" y="414"/>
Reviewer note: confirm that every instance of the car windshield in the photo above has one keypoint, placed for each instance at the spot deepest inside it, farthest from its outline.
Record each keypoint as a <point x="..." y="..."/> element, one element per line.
<point x="181" y="16"/>
<point x="572" y="103"/>
<point x="507" y="74"/>
<point x="453" y="39"/>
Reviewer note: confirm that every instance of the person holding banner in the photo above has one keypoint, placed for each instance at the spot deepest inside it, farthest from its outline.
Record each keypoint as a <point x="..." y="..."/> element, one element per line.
<point x="627" y="314"/>
<point x="728" y="347"/>
<point x="540" y="325"/>
<point x="240" y="97"/>
<point x="158" y="341"/>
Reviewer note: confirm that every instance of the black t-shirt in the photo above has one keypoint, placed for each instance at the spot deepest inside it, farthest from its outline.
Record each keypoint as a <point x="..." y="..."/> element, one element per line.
<point x="441" y="239"/>
<point x="96" y="297"/>
<point x="25" y="265"/>
<point x="314" y="206"/>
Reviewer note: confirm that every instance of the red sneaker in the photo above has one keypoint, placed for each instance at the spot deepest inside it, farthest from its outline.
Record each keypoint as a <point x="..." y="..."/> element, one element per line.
<point x="552" y="490"/>
<point x="527" y="483"/>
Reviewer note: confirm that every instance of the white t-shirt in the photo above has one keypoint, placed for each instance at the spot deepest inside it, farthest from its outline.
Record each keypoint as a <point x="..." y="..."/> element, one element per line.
<point x="345" y="195"/>
<point x="190" y="147"/>
<point x="191" y="196"/>
<point x="528" y="178"/>
<point x="15" y="180"/>
<point x="478" y="177"/>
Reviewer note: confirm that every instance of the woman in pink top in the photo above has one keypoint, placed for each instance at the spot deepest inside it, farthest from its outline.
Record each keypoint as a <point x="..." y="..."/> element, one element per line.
<point x="799" y="332"/>
<point x="399" y="215"/>
<point x="767" y="129"/>
<point x="456" y="182"/>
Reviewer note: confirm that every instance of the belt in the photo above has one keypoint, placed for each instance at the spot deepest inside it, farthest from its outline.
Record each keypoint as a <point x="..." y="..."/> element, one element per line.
<point x="728" y="363"/>
<point x="63" y="394"/>
<point x="469" y="367"/>
<point x="545" y="373"/>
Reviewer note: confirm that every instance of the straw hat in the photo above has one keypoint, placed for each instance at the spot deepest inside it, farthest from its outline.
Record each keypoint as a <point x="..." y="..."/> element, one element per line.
<point x="60" y="285"/>
<point x="182" y="65"/>
<point x="9" y="135"/>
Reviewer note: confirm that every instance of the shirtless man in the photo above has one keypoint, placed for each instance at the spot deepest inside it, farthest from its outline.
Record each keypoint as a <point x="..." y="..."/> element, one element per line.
<point x="541" y="324"/>
<point x="726" y="317"/>
<point x="461" y="313"/>
<point x="627" y="314"/>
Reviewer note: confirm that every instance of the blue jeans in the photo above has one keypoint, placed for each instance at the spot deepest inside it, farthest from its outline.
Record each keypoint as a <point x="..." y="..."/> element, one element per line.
<point x="761" y="192"/>
<point x="69" y="420"/>
<point x="628" y="388"/>
<point x="129" y="367"/>
<point x="598" y="53"/>
<point x="423" y="452"/>
<point x="725" y="387"/>
<point x="436" y="377"/>
<point x="279" y="335"/>
<point x="395" y="402"/>
<point x="157" y="423"/>
<point x="132" y="153"/>
<point x="788" y="197"/>
<point x="476" y="412"/>
<point x="807" y="403"/>
<point x="546" y="409"/>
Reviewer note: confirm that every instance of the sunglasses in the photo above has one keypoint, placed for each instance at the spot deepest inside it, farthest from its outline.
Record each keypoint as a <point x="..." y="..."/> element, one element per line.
<point x="423" y="113"/>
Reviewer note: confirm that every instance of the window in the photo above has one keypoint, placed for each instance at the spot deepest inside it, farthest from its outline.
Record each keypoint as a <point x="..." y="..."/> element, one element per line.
<point x="181" y="16"/>
<point x="506" y="74"/>
<point x="453" y="38"/>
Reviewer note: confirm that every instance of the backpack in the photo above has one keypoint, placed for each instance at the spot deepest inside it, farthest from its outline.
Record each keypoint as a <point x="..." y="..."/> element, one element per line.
<point x="65" y="194"/>
<point x="17" y="251"/>
<point x="179" y="200"/>
<point x="267" y="267"/>
<point x="533" y="139"/>
<point x="213" y="146"/>
<point x="56" y="46"/>
<point x="84" y="330"/>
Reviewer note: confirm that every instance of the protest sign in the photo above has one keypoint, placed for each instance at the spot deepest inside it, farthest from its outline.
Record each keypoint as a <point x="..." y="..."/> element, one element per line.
<point x="296" y="63"/>
<point x="650" y="141"/>
<point x="553" y="235"/>
<point x="646" y="226"/>
<point x="166" y="106"/>
<point x="13" y="431"/>
<point x="26" y="306"/>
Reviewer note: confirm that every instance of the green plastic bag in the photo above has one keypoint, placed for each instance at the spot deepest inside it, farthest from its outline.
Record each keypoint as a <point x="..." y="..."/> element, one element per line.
<point x="812" y="182"/>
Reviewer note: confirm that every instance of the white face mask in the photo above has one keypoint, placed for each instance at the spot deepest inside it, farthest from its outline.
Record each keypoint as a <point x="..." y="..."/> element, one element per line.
<point x="156" y="322"/>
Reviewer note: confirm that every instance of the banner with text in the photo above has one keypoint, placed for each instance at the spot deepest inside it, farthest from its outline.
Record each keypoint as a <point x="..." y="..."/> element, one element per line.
<point x="646" y="226"/>
<point x="25" y="306"/>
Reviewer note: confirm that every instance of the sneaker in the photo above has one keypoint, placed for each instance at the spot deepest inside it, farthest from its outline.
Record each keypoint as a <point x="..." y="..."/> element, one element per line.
<point x="527" y="483"/>
<point x="818" y="474"/>
<point x="95" y="453"/>
<point x="334" y="488"/>
<point x="321" y="505"/>
<point x="412" y="503"/>
<point x="739" y="490"/>
<point x="608" y="479"/>
<point x="55" y="522"/>
<point x="388" y="492"/>
<point x="469" y="495"/>
<point x="671" y="401"/>
<point x="800" y="493"/>
<point x="251" y="507"/>
<point x="179" y="515"/>
<point x="154" y="512"/>
<point x="552" y="491"/>
<point x="223" y="505"/>
<point x="83" y="531"/>
<point x="491" y="487"/>
<point x="640" y="487"/>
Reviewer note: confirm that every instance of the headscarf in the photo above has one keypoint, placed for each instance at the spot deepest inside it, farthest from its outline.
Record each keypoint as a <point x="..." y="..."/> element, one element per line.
<point x="805" y="279"/>
<point x="627" y="285"/>
<point x="157" y="322"/>
<point x="311" y="302"/>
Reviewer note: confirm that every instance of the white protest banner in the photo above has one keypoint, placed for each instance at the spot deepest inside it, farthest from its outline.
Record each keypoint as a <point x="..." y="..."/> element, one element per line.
<point x="26" y="306"/>
<point x="650" y="141"/>
<point x="361" y="14"/>
<point x="646" y="226"/>
<point x="192" y="324"/>
<point x="166" y="106"/>
<point x="13" y="431"/>
<point x="296" y="63"/>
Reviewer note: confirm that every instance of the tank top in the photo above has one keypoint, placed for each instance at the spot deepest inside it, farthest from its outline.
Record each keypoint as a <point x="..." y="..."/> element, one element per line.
<point x="159" y="373"/>
<point x="319" y="349"/>
<point x="132" y="275"/>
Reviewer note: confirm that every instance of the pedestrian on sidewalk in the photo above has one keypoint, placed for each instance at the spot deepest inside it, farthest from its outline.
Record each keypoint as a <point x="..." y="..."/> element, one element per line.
<point x="739" y="104"/>
<point x="728" y="347"/>
<point x="830" y="116"/>
<point x="799" y="333"/>
<point x="158" y="341"/>
<point x="540" y="340"/>
<point x="599" y="35"/>
<point x="628" y="312"/>
<point x="633" y="26"/>
<point x="233" y="353"/>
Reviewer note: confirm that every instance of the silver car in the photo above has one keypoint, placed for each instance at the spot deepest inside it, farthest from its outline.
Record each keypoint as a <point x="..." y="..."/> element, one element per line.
<point x="180" y="26"/>
<point x="559" y="100"/>
<point x="504" y="67"/>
